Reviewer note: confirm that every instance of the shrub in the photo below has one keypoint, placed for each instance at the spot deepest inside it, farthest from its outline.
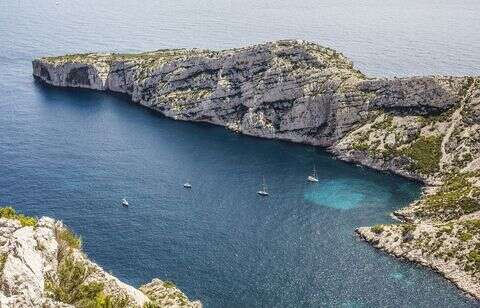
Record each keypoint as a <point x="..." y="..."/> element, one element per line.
<point x="26" y="221"/>
<point x="377" y="229"/>
<point x="67" y="241"/>
<point x="10" y="213"/>
<point x="408" y="229"/>
<point x="3" y="259"/>
<point x="426" y="154"/>
<point x="69" y="285"/>
<point x="360" y="146"/>
<point x="66" y="235"/>
<point x="108" y="301"/>
<point x="168" y="284"/>
<point x="465" y="236"/>
<point x="474" y="258"/>
<point x="454" y="199"/>
<point x="7" y="212"/>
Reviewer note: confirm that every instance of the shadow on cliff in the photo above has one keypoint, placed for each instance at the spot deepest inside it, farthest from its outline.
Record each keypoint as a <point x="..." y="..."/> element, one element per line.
<point x="55" y="94"/>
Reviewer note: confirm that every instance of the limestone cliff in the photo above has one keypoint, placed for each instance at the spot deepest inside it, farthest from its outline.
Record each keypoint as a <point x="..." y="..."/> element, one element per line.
<point x="42" y="265"/>
<point x="425" y="128"/>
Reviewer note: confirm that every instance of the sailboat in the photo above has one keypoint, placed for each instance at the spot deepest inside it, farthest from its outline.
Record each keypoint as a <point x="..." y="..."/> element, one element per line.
<point x="124" y="202"/>
<point x="313" y="178"/>
<point x="263" y="191"/>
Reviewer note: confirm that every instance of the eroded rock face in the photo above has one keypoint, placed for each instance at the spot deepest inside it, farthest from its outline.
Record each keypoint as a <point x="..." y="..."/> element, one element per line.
<point x="30" y="254"/>
<point x="292" y="90"/>
<point x="415" y="95"/>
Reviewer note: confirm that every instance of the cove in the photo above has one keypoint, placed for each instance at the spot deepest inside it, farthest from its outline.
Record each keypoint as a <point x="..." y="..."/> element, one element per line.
<point x="75" y="153"/>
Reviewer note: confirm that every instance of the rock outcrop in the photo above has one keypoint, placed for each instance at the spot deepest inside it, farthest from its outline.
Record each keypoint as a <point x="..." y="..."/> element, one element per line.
<point x="33" y="256"/>
<point x="424" y="128"/>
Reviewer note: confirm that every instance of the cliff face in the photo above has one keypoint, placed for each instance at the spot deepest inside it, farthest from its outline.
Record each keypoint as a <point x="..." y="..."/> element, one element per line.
<point x="288" y="90"/>
<point x="424" y="128"/>
<point x="41" y="265"/>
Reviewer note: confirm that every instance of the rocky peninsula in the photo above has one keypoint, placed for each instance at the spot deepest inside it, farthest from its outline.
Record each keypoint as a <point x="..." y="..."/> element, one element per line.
<point x="42" y="265"/>
<point x="423" y="128"/>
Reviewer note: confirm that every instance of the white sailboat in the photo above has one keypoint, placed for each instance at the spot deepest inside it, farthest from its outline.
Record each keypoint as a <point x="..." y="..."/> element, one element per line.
<point x="263" y="191"/>
<point x="313" y="177"/>
<point x="124" y="202"/>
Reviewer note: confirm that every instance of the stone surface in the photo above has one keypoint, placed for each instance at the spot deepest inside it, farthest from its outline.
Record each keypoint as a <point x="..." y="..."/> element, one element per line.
<point x="165" y="294"/>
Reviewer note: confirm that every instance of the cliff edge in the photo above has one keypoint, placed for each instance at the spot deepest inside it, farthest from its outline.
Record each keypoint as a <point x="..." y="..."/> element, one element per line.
<point x="42" y="265"/>
<point x="424" y="128"/>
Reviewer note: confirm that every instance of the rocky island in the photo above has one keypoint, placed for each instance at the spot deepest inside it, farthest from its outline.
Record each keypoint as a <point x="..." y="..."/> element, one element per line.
<point x="423" y="128"/>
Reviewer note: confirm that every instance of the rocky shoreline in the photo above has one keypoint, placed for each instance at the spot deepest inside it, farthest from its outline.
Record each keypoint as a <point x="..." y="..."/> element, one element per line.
<point x="423" y="128"/>
<point x="42" y="265"/>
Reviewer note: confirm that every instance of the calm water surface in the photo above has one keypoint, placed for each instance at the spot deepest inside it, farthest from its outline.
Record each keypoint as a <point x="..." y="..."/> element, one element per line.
<point x="74" y="154"/>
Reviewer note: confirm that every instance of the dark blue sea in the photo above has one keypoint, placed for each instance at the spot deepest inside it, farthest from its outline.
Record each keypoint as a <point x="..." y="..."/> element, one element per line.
<point x="74" y="154"/>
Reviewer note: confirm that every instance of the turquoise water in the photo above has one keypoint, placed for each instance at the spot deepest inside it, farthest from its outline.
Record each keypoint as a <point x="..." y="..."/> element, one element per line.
<point x="74" y="154"/>
<point x="345" y="194"/>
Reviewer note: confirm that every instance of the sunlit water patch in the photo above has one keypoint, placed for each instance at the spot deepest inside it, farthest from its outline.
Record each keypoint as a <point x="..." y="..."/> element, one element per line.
<point x="346" y="194"/>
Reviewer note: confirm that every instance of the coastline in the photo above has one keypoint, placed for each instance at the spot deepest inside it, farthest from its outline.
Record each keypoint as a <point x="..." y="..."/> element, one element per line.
<point x="362" y="120"/>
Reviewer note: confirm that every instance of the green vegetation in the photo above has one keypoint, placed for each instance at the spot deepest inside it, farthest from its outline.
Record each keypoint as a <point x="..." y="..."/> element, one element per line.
<point x="360" y="146"/>
<point x="10" y="213"/>
<point x="473" y="258"/>
<point x="437" y="118"/>
<point x="70" y="286"/>
<point x="455" y="198"/>
<point x="386" y="124"/>
<point x="377" y="229"/>
<point x="66" y="235"/>
<point x="426" y="154"/>
<point x="407" y="229"/>
<point x="168" y="284"/>
<point x="463" y="91"/>
<point x="465" y="236"/>
<point x="3" y="259"/>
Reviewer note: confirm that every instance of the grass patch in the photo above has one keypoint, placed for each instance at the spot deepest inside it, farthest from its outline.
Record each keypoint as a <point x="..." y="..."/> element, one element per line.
<point x="10" y="213"/>
<point x="425" y="153"/>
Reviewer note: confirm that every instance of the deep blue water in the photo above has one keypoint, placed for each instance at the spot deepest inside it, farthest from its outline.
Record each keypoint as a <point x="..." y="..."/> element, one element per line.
<point x="74" y="154"/>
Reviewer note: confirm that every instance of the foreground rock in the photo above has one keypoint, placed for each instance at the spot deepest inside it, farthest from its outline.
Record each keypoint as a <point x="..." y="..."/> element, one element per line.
<point x="424" y="128"/>
<point x="34" y="257"/>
